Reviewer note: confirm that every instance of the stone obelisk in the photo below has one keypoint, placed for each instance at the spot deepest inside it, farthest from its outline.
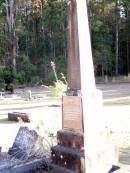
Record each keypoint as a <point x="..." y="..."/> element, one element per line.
<point x="83" y="143"/>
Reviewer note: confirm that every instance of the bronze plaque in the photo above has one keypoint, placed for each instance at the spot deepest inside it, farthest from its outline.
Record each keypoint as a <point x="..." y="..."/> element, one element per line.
<point x="72" y="113"/>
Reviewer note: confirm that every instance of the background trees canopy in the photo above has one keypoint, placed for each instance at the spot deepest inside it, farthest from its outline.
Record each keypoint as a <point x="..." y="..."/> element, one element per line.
<point x="34" y="32"/>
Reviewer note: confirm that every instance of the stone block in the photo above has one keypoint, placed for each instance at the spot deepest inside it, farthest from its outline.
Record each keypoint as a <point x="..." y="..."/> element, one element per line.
<point x="69" y="158"/>
<point x="70" y="139"/>
<point x="17" y="116"/>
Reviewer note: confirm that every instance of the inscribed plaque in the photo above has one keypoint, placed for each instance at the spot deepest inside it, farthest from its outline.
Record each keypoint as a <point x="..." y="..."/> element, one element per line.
<point x="72" y="113"/>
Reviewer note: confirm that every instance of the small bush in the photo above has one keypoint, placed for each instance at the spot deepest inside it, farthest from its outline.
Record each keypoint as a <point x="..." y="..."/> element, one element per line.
<point x="59" y="85"/>
<point x="8" y="74"/>
<point x="20" y="78"/>
<point x="27" y="73"/>
<point x="59" y="88"/>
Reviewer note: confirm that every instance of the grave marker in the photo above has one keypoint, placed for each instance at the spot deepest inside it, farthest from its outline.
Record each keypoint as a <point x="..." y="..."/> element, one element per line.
<point x="82" y="105"/>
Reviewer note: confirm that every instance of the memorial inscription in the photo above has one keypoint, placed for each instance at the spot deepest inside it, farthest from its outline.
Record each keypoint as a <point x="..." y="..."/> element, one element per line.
<point x="72" y="113"/>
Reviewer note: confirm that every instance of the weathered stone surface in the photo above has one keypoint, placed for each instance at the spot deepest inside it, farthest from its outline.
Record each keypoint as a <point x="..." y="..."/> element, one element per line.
<point x="70" y="139"/>
<point x="17" y="116"/>
<point x="24" y="144"/>
<point x="73" y="159"/>
<point x="68" y="153"/>
<point x="103" y="159"/>
<point x="68" y="158"/>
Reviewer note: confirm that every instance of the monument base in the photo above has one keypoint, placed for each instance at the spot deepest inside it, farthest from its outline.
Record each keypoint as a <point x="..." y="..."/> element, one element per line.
<point x="68" y="155"/>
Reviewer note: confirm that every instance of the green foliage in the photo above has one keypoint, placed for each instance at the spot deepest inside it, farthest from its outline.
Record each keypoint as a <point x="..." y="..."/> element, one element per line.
<point x="27" y="73"/>
<point x="60" y="86"/>
<point x="41" y="31"/>
<point x="8" y="74"/>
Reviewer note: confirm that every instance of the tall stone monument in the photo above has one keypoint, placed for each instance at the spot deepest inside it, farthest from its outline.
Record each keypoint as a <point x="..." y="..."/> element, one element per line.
<point x="83" y="144"/>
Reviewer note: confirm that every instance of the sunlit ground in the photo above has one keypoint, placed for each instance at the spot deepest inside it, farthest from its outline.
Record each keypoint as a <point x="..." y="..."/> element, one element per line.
<point x="46" y="116"/>
<point x="116" y="98"/>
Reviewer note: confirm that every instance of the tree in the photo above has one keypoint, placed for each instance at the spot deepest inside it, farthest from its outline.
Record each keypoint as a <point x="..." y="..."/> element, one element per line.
<point x="11" y="12"/>
<point x="117" y="18"/>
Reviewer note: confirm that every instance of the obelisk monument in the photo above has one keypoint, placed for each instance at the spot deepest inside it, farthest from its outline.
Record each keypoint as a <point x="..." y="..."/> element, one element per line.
<point x="83" y="141"/>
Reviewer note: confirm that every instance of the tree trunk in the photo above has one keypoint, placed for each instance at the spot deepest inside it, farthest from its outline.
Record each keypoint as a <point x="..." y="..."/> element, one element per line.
<point x="42" y="19"/>
<point x="64" y="48"/>
<point x="127" y="41"/>
<point x="26" y="17"/>
<point x="11" y="17"/>
<point x="117" y="17"/>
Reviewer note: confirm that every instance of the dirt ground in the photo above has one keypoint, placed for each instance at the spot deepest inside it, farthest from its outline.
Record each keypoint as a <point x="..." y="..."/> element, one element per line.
<point x="46" y="115"/>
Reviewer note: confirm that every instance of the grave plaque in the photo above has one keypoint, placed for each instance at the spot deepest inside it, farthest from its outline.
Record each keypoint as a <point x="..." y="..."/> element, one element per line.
<point x="72" y="113"/>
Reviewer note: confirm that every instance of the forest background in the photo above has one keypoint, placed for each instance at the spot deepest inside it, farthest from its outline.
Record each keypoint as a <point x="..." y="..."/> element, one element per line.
<point x="33" y="39"/>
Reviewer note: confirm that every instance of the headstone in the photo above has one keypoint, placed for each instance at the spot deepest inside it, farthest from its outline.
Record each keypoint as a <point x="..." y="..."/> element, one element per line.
<point x="72" y="113"/>
<point x="29" y="94"/>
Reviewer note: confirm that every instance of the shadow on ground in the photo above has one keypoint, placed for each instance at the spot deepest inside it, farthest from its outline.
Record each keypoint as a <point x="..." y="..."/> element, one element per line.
<point x="5" y="121"/>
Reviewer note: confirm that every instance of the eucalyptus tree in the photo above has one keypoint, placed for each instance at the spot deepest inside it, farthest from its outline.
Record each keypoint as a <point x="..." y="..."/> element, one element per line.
<point x="125" y="14"/>
<point x="101" y="18"/>
<point x="117" y="18"/>
<point x="11" y="13"/>
<point x="2" y="31"/>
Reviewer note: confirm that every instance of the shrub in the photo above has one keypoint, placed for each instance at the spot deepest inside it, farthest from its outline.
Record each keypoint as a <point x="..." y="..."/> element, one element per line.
<point x="20" y="78"/>
<point x="60" y="86"/>
<point x="8" y="74"/>
<point x="27" y="73"/>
